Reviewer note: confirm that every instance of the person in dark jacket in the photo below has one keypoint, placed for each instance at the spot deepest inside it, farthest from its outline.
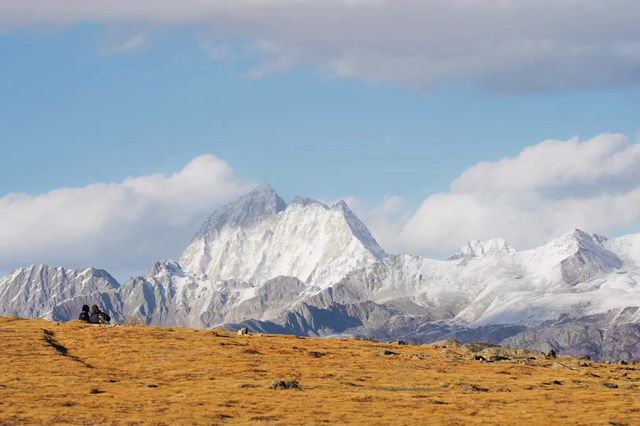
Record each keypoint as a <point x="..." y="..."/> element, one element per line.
<point x="84" y="315"/>
<point x="97" y="316"/>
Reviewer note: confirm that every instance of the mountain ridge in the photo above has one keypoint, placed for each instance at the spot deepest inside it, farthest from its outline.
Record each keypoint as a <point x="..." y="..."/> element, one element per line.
<point x="309" y="268"/>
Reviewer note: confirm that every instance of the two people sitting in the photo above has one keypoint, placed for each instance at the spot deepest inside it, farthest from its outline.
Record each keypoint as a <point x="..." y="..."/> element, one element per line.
<point x="96" y="316"/>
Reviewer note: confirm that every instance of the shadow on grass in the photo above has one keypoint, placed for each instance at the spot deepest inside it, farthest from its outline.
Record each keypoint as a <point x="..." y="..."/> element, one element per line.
<point x="49" y="338"/>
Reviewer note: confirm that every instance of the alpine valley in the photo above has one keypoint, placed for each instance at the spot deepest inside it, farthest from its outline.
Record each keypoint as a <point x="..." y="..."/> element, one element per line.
<point x="310" y="269"/>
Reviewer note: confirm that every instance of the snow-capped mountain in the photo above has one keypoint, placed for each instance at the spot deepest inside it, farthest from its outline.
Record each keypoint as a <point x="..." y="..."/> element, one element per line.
<point x="572" y="275"/>
<point x="260" y="237"/>
<point x="39" y="290"/>
<point x="309" y="268"/>
<point x="253" y="258"/>
<point x="476" y="248"/>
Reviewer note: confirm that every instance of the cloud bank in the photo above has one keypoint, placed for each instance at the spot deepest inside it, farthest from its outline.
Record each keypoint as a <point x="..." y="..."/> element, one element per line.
<point x="510" y="45"/>
<point x="544" y="192"/>
<point x="123" y="227"/>
<point x="547" y="190"/>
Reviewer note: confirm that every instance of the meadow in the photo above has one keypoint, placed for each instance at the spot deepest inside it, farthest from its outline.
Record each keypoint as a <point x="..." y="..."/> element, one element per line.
<point x="74" y="373"/>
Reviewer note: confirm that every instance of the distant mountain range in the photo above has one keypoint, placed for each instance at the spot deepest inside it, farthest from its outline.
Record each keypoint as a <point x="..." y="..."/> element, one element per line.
<point x="313" y="269"/>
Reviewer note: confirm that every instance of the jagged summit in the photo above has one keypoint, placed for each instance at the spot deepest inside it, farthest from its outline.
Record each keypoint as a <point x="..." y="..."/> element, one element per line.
<point x="477" y="248"/>
<point x="360" y="230"/>
<point x="573" y="257"/>
<point x="305" y="201"/>
<point x="258" y="204"/>
<point x="166" y="267"/>
<point x="576" y="236"/>
<point x="43" y="271"/>
<point x="34" y="291"/>
<point x="577" y="241"/>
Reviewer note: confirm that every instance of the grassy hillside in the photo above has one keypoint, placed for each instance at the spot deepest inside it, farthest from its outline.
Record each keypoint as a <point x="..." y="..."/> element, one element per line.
<point x="75" y="373"/>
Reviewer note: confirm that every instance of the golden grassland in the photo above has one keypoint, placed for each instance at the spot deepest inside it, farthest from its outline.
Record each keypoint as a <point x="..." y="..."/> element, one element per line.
<point x="74" y="373"/>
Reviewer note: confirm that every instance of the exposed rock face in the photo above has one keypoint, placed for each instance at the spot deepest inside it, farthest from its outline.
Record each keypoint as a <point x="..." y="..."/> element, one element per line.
<point x="613" y="335"/>
<point x="588" y="259"/>
<point x="269" y="301"/>
<point x="169" y="296"/>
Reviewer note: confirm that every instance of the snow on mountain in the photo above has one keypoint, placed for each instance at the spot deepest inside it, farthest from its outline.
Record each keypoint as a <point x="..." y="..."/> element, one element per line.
<point x="572" y="274"/>
<point x="260" y="237"/>
<point x="490" y="283"/>
<point x="626" y="248"/>
<point x="476" y="248"/>
<point x="575" y="257"/>
<point x="309" y="268"/>
<point x="249" y="209"/>
<point x="37" y="290"/>
<point x="167" y="295"/>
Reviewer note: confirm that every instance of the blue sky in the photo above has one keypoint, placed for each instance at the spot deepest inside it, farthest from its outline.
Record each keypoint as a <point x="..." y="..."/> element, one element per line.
<point x="76" y="114"/>
<point x="98" y="95"/>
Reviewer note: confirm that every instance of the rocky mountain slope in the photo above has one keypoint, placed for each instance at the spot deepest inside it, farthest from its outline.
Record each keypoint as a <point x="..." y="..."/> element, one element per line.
<point x="309" y="268"/>
<point x="40" y="291"/>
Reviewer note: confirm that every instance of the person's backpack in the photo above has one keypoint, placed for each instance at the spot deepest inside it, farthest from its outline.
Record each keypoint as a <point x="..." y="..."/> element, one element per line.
<point x="105" y="317"/>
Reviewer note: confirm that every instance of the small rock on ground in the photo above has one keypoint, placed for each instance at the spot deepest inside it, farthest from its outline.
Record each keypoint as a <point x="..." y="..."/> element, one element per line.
<point x="472" y="388"/>
<point x="285" y="384"/>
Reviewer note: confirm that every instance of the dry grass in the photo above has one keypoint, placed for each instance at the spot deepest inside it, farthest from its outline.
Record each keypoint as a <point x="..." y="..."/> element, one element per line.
<point x="79" y="374"/>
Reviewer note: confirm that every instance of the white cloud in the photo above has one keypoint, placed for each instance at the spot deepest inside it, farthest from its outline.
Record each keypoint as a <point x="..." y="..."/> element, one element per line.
<point x="513" y="45"/>
<point x="121" y="227"/>
<point x="547" y="190"/>
<point x="606" y="160"/>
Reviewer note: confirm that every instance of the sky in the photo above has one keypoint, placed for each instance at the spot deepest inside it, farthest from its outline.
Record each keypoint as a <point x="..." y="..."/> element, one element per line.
<point x="124" y="124"/>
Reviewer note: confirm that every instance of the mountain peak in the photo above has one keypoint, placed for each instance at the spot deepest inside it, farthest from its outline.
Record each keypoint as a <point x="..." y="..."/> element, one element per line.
<point x="477" y="248"/>
<point x="578" y="234"/>
<point x="577" y="256"/>
<point x="360" y="230"/>
<point x="577" y="243"/>
<point x="262" y="195"/>
<point x="166" y="267"/>
<point x="261" y="202"/>
<point x="577" y="239"/>
<point x="262" y="188"/>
